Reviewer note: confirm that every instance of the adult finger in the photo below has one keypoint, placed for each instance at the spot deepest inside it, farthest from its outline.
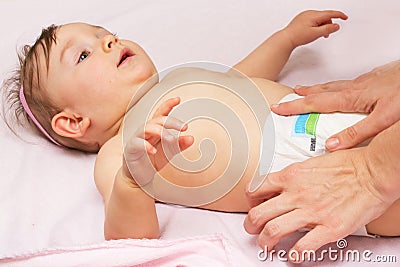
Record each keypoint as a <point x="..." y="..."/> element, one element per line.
<point x="376" y="122"/>
<point x="280" y="227"/>
<point x="261" y="188"/>
<point x="258" y="216"/>
<point x="311" y="241"/>
<point x="321" y="88"/>
<point x="323" y="102"/>
<point x="255" y="201"/>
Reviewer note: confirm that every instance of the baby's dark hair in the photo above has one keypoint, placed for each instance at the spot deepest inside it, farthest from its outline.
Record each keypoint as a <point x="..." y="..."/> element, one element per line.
<point x="28" y="75"/>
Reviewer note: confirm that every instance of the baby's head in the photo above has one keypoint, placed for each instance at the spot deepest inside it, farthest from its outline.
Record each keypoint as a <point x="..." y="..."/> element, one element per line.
<point x="78" y="80"/>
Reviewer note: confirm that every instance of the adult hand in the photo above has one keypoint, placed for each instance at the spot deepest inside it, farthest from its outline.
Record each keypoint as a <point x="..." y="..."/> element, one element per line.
<point x="376" y="92"/>
<point x="332" y="195"/>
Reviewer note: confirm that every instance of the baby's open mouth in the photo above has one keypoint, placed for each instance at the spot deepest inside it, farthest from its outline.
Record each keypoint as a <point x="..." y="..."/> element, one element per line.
<point x="124" y="55"/>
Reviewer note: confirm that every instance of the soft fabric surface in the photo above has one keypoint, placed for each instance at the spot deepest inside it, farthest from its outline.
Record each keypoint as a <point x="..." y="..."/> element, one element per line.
<point x="208" y="250"/>
<point x="48" y="198"/>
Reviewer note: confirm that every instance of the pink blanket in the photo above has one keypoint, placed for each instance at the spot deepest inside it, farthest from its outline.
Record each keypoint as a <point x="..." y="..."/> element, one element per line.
<point x="210" y="250"/>
<point x="51" y="211"/>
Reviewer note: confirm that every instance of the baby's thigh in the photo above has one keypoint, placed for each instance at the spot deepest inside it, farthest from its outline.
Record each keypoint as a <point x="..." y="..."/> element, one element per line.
<point x="388" y="224"/>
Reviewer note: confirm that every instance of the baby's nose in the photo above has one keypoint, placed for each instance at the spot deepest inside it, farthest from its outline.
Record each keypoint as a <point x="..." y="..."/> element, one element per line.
<point x="108" y="42"/>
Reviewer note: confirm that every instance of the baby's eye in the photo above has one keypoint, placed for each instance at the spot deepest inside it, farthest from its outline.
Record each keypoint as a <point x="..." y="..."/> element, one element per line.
<point x="83" y="56"/>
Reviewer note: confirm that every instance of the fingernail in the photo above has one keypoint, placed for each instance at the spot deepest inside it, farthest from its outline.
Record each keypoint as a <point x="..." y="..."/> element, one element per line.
<point x="297" y="87"/>
<point x="275" y="106"/>
<point x="332" y="142"/>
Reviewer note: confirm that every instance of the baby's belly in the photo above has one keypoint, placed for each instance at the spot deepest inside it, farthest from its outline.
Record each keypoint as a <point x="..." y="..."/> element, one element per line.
<point x="226" y="152"/>
<point x="220" y="183"/>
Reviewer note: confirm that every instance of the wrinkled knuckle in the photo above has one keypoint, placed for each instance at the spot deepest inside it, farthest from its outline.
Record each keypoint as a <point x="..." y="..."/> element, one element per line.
<point x="348" y="94"/>
<point x="254" y="217"/>
<point x="347" y="98"/>
<point x="351" y="133"/>
<point x="293" y="170"/>
<point x="309" y="100"/>
<point x="325" y="86"/>
<point x="272" y="230"/>
<point x="310" y="215"/>
<point x="388" y="120"/>
<point x="287" y="174"/>
<point x="302" y="246"/>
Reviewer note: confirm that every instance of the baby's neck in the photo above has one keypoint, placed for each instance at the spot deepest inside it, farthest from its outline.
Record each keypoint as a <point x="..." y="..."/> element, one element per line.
<point x="142" y="90"/>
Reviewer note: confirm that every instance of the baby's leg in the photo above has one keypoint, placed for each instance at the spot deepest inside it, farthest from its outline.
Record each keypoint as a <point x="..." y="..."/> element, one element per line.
<point x="388" y="224"/>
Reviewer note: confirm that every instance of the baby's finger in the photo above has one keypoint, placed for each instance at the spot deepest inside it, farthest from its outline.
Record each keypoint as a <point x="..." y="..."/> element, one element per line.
<point x="169" y="123"/>
<point x="327" y="29"/>
<point x="135" y="149"/>
<point x="170" y="145"/>
<point x="332" y="14"/>
<point x="165" y="108"/>
<point x="185" y="142"/>
<point x="138" y="164"/>
<point x="149" y="130"/>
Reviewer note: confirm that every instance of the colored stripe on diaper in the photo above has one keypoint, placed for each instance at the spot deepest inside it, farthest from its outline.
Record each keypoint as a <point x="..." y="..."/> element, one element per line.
<point x="306" y="125"/>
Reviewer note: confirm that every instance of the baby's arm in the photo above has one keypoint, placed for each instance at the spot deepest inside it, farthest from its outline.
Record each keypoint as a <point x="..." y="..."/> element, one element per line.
<point x="130" y="212"/>
<point x="267" y="60"/>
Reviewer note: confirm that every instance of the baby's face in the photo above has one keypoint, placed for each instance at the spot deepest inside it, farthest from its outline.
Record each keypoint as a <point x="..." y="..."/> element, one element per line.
<point x="94" y="74"/>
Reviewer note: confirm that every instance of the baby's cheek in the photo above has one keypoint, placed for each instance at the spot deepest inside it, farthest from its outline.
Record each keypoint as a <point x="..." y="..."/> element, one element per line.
<point x="143" y="72"/>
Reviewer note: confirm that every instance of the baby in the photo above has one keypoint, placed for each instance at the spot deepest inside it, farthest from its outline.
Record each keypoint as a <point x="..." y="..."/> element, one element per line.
<point x="77" y="81"/>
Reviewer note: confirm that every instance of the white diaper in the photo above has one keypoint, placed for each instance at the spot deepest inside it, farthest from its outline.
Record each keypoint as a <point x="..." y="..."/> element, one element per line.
<point x="300" y="137"/>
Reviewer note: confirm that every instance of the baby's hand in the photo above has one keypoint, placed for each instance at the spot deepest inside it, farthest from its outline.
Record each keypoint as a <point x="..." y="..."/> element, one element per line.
<point x="141" y="148"/>
<point x="311" y="24"/>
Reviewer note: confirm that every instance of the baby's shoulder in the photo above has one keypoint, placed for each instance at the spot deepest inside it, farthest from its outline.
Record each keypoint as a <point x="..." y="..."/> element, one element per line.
<point x="109" y="155"/>
<point x="108" y="162"/>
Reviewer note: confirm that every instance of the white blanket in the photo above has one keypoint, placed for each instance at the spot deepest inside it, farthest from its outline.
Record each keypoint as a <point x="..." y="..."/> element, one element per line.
<point x="48" y="199"/>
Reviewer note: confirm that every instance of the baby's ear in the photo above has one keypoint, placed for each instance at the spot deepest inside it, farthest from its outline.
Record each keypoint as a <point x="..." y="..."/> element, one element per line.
<point x="69" y="125"/>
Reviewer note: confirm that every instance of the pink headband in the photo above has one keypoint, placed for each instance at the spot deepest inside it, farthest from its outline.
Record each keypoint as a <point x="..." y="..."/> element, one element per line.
<point x="30" y="114"/>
